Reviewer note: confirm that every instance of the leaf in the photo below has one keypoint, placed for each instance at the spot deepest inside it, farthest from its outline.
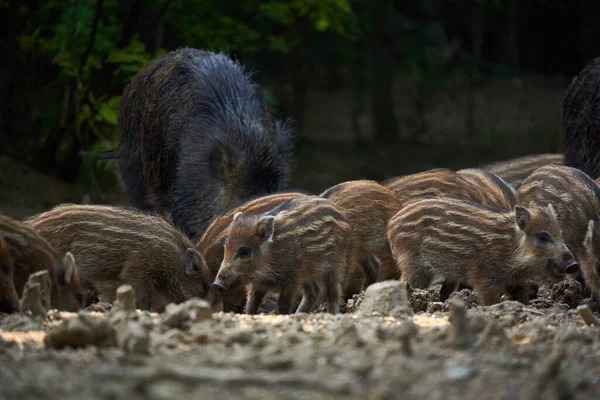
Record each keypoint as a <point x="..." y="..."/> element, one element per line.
<point x="322" y="24"/>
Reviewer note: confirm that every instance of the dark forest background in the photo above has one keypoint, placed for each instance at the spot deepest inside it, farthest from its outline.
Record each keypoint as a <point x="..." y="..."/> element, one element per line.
<point x="376" y="88"/>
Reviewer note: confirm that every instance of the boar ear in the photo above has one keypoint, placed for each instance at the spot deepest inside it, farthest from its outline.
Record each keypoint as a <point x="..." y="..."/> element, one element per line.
<point x="222" y="162"/>
<point x="266" y="227"/>
<point x="194" y="262"/>
<point x="522" y="216"/>
<point x="589" y="235"/>
<point x="552" y="212"/>
<point x="69" y="263"/>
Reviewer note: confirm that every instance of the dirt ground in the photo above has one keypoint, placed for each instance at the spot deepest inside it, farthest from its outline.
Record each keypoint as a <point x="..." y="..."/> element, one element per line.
<point x="385" y="345"/>
<point x="380" y="349"/>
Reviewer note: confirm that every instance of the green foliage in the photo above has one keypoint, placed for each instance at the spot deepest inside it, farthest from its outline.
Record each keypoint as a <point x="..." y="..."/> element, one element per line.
<point x="250" y="26"/>
<point x="70" y="48"/>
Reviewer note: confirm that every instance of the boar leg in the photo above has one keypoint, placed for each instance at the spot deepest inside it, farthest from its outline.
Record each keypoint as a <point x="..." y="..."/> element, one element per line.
<point x="371" y="271"/>
<point x="518" y="292"/>
<point x="447" y="288"/>
<point x="333" y="291"/>
<point x="488" y="293"/>
<point x="309" y="298"/>
<point x="286" y="296"/>
<point x="254" y="300"/>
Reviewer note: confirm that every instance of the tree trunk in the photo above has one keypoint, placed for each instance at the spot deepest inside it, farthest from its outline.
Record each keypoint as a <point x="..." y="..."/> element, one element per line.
<point x="10" y="55"/>
<point x="382" y="74"/>
<point x="297" y="76"/>
<point x="513" y="35"/>
<point x="46" y="158"/>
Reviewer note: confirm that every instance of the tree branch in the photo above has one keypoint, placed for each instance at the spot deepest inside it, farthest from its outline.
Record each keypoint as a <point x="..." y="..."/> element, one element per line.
<point x="90" y="46"/>
<point x="161" y="13"/>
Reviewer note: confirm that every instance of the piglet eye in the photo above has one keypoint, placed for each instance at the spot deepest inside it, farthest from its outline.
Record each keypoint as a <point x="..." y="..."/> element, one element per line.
<point x="543" y="237"/>
<point x="79" y="298"/>
<point x="244" y="252"/>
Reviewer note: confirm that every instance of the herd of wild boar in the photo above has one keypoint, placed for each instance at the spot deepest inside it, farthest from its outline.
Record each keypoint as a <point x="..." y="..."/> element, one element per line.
<point x="205" y="165"/>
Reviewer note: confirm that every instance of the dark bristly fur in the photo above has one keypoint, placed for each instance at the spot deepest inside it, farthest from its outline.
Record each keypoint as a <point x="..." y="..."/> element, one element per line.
<point x="196" y="139"/>
<point x="211" y="242"/>
<point x="368" y="207"/>
<point x="491" y="190"/>
<point x="514" y="171"/>
<point x="30" y="253"/>
<point x="9" y="301"/>
<point x="302" y="242"/>
<point x="116" y="246"/>
<point x="581" y="120"/>
<point x="576" y="198"/>
<point x="438" y="182"/>
<point x="463" y="242"/>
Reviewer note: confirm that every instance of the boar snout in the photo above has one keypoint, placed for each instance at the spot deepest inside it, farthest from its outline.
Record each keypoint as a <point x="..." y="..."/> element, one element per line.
<point x="220" y="285"/>
<point x="572" y="266"/>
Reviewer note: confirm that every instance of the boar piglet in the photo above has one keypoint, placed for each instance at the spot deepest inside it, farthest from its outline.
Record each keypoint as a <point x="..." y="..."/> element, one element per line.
<point x="31" y="253"/>
<point x="115" y="246"/>
<point x="301" y="243"/>
<point x="211" y="244"/>
<point x="493" y="252"/>
<point x="576" y="199"/>
<point x="368" y="206"/>
<point x="9" y="301"/>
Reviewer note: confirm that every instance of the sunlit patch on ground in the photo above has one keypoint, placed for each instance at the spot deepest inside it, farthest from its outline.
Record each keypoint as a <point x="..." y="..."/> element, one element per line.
<point x="37" y="337"/>
<point x="426" y="321"/>
<point x="521" y="339"/>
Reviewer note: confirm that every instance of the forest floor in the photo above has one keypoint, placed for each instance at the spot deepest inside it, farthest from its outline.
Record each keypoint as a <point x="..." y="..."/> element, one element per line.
<point x="505" y="351"/>
<point x="387" y="345"/>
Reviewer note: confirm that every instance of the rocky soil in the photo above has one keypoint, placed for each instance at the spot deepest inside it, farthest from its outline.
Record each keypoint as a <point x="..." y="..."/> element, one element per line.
<point x="380" y="348"/>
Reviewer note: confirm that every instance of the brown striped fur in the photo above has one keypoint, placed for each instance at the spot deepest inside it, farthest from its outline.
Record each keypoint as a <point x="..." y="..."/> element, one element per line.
<point x="576" y="198"/>
<point x="9" y="301"/>
<point x="116" y="246"/>
<point x="490" y="189"/>
<point x="30" y="253"/>
<point x="494" y="252"/>
<point x="368" y="206"/>
<point x="302" y="242"/>
<point x="211" y="242"/>
<point x="514" y="171"/>
<point x="439" y="182"/>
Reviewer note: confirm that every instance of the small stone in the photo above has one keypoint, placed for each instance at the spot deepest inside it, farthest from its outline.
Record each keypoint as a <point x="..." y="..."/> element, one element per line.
<point x="462" y="336"/>
<point x="182" y="315"/>
<point x="80" y="331"/>
<point x="166" y="390"/>
<point x="460" y="373"/>
<point x="31" y="300"/>
<point x="125" y="298"/>
<point x="133" y="338"/>
<point x="241" y="336"/>
<point x="385" y="298"/>
<point x="348" y="336"/>
<point x="43" y="279"/>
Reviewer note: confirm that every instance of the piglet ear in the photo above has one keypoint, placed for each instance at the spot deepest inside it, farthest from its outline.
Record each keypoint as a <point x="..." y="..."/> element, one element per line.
<point x="522" y="216"/>
<point x="194" y="263"/>
<point x="236" y="215"/>
<point x="589" y="235"/>
<point x="69" y="263"/>
<point x="266" y="227"/>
